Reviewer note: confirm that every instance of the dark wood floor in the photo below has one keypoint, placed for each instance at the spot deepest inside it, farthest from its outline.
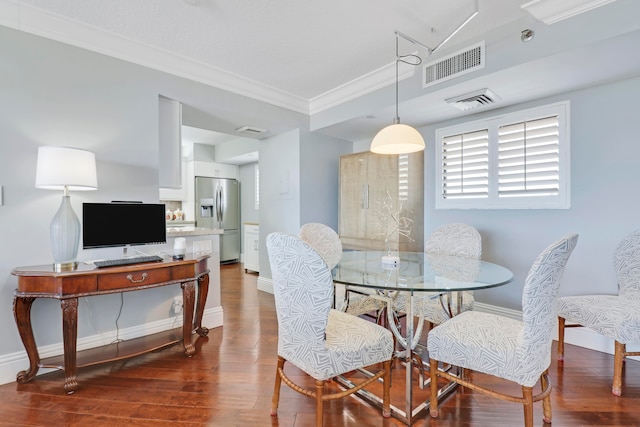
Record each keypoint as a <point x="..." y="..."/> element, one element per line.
<point x="229" y="382"/>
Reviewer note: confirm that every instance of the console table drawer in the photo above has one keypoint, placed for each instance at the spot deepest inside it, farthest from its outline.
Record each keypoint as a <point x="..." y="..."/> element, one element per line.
<point x="133" y="279"/>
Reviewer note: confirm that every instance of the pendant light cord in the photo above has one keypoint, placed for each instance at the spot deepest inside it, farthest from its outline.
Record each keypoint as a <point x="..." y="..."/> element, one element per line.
<point x="415" y="61"/>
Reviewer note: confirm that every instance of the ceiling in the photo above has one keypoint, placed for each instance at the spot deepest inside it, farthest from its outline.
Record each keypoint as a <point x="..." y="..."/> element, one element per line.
<point x="317" y="57"/>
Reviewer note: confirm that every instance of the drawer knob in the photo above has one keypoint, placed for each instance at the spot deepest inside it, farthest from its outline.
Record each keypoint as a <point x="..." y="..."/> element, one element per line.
<point x="132" y="280"/>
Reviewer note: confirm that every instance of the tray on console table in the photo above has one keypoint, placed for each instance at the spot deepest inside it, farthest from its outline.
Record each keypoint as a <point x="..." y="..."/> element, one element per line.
<point x="42" y="282"/>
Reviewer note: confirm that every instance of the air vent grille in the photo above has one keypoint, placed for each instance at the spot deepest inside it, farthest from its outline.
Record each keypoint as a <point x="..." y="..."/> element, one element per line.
<point x="250" y="130"/>
<point x="454" y="65"/>
<point x="475" y="99"/>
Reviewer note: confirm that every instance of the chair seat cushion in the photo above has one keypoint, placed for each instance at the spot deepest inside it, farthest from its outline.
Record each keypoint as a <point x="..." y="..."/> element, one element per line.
<point x="485" y="343"/>
<point x="351" y="343"/>
<point x="428" y="305"/>
<point x="613" y="316"/>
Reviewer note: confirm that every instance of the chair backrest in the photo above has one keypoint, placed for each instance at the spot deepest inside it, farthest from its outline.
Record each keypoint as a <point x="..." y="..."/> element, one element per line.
<point x="324" y="240"/>
<point x="303" y="290"/>
<point x="539" y="305"/>
<point x="627" y="265"/>
<point x="455" y="239"/>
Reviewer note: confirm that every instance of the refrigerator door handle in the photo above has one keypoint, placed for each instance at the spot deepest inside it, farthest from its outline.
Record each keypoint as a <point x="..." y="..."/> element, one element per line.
<point x="219" y="203"/>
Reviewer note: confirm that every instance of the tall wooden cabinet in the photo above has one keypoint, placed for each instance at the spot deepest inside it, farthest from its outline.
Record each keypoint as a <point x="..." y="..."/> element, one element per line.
<point x="373" y="187"/>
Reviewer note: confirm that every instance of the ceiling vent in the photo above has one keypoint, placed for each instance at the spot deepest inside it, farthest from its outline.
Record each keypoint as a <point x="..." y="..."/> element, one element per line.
<point x="250" y="130"/>
<point x="454" y="65"/>
<point x="478" y="98"/>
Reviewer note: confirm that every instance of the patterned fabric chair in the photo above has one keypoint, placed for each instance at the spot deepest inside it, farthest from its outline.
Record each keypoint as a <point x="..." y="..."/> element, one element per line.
<point x="317" y="339"/>
<point x="327" y="243"/>
<point x="450" y="239"/>
<point x="518" y="351"/>
<point x="614" y="316"/>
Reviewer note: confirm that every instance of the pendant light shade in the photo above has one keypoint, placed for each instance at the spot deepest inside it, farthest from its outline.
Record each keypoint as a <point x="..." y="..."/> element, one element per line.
<point x="397" y="139"/>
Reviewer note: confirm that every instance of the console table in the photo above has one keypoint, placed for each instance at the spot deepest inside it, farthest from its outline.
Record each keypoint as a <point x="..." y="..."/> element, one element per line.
<point x="42" y="282"/>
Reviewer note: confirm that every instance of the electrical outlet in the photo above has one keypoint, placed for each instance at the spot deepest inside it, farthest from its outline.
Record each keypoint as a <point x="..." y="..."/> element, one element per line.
<point x="177" y="305"/>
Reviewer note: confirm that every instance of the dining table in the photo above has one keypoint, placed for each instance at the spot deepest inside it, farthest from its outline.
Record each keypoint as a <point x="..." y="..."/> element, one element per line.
<point x="414" y="276"/>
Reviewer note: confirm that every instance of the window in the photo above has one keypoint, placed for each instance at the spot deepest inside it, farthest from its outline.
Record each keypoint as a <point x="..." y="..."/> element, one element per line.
<point x="515" y="161"/>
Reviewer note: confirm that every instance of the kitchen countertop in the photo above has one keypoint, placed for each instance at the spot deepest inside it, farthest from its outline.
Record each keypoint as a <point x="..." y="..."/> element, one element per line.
<point x="192" y="231"/>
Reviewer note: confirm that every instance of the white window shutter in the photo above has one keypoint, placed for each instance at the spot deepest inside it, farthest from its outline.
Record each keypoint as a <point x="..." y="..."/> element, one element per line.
<point x="465" y="165"/>
<point x="529" y="158"/>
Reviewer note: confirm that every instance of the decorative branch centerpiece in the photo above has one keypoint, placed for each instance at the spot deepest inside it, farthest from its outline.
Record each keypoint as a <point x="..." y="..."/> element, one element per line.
<point x="391" y="219"/>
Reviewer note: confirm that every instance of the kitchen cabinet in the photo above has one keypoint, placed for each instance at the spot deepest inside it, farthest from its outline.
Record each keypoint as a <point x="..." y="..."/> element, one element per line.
<point x="375" y="188"/>
<point x="251" y="247"/>
<point x="170" y="143"/>
<point x="180" y="193"/>
<point x="216" y="170"/>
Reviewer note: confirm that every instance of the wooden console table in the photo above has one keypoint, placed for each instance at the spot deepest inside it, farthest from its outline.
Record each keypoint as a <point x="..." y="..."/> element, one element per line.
<point x="42" y="282"/>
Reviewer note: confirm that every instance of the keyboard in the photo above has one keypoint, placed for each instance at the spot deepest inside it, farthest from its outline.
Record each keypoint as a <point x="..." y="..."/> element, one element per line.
<point x="127" y="261"/>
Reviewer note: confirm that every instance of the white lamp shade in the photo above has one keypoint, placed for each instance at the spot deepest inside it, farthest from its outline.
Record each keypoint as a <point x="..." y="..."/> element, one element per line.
<point x="58" y="167"/>
<point x="397" y="139"/>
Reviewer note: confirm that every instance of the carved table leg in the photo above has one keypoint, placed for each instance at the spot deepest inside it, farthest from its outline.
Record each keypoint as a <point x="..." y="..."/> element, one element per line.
<point x="22" y="314"/>
<point x="69" y="338"/>
<point x="188" y="296"/>
<point x="203" y="290"/>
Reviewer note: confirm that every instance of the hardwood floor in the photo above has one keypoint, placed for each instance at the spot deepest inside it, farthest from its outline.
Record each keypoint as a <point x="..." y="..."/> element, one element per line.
<point x="229" y="382"/>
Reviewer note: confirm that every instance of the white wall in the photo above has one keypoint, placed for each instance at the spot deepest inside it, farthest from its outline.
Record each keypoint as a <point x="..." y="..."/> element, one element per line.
<point x="248" y="212"/>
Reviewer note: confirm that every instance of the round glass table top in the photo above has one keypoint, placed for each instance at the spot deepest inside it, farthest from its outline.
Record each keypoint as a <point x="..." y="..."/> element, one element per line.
<point x="418" y="271"/>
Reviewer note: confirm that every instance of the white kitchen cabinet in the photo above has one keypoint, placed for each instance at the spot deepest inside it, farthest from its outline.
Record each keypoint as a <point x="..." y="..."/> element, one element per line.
<point x="251" y="247"/>
<point x="170" y="143"/>
<point x="216" y="170"/>
<point x="180" y="193"/>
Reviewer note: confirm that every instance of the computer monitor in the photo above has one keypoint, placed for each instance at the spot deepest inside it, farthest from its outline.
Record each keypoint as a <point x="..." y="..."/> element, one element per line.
<point x="123" y="224"/>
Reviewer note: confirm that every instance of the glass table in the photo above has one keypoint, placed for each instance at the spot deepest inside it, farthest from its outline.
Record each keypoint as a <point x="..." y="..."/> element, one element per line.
<point x="413" y="274"/>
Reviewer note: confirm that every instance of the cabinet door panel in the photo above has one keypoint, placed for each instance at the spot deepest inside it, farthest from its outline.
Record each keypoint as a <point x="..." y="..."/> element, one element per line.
<point x="353" y="196"/>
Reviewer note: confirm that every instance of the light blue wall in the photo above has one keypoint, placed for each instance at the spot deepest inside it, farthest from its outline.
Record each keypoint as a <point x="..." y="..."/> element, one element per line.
<point x="54" y="94"/>
<point x="605" y="172"/>
<point x="320" y="161"/>
<point x="248" y="212"/>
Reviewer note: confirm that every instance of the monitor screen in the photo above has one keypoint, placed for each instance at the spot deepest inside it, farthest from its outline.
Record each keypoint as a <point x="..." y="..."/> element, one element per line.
<point x="122" y="224"/>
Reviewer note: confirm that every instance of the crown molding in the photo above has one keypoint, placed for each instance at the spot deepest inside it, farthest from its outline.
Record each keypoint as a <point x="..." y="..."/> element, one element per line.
<point x="552" y="11"/>
<point x="55" y="27"/>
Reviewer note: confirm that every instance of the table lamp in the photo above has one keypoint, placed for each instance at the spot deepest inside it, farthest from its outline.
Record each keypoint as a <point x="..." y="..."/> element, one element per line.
<point x="60" y="168"/>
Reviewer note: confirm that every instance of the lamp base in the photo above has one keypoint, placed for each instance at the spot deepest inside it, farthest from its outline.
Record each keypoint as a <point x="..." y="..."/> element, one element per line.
<point x="60" y="267"/>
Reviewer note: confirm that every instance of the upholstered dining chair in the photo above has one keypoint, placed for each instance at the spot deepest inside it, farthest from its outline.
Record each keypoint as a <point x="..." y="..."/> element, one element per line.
<point x="327" y="243"/>
<point x="518" y="351"/>
<point x="614" y="316"/>
<point x="450" y="239"/>
<point x="320" y="341"/>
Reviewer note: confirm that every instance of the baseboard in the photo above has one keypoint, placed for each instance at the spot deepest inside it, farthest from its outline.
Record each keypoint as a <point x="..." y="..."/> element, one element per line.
<point x="12" y="363"/>
<point x="265" y="285"/>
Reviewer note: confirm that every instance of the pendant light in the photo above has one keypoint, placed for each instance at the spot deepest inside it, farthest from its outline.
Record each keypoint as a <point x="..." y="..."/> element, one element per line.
<point x="397" y="138"/>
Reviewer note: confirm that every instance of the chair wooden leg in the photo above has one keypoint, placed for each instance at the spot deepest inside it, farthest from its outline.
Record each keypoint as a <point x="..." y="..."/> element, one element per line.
<point x="546" y="402"/>
<point x="276" y="388"/>
<point x="527" y="394"/>
<point x="433" y="404"/>
<point x="561" y="321"/>
<point x="618" y="358"/>
<point x="319" y="406"/>
<point x="386" y="393"/>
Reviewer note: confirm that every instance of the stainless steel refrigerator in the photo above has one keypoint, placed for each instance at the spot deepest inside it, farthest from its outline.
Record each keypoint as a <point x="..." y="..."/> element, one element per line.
<point x="218" y="206"/>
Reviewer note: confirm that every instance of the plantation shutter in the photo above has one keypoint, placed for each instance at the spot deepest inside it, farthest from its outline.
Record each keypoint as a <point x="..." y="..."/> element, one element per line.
<point x="529" y="158"/>
<point x="465" y="165"/>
